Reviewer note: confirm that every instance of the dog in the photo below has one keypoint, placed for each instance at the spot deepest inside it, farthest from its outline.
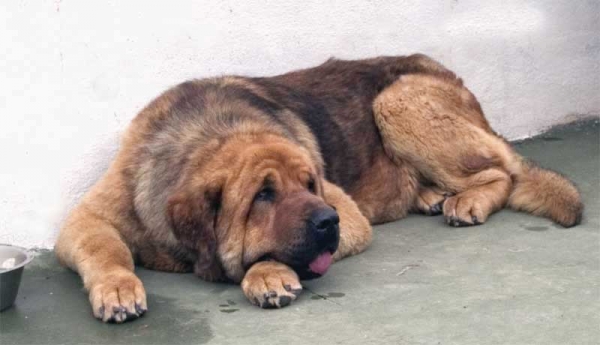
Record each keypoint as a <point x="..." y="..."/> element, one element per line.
<point x="267" y="181"/>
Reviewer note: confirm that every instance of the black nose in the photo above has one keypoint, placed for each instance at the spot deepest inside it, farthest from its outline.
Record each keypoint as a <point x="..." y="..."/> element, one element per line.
<point x="325" y="220"/>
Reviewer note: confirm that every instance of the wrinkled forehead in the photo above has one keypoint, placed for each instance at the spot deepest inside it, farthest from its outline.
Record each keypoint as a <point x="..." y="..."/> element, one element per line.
<point x="281" y="161"/>
<point x="248" y="160"/>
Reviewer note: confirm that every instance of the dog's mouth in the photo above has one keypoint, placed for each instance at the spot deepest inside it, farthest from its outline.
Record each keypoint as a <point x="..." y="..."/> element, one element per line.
<point x="315" y="268"/>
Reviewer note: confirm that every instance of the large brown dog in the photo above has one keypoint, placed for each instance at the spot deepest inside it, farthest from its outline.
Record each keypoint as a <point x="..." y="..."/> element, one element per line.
<point x="266" y="181"/>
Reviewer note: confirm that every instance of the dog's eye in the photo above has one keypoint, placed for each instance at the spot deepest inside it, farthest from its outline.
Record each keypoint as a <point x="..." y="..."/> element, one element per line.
<point x="265" y="194"/>
<point x="311" y="185"/>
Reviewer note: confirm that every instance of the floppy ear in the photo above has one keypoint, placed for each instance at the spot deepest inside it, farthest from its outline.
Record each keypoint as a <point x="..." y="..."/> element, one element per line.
<point x="193" y="217"/>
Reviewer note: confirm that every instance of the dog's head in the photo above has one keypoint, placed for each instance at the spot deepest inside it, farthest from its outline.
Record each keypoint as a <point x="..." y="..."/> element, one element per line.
<point x="256" y="198"/>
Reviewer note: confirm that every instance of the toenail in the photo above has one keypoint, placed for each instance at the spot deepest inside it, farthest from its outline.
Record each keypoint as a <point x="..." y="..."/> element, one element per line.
<point x="139" y="309"/>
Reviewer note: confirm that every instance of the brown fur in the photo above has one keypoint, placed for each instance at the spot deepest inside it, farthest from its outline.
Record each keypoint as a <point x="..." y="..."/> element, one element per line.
<point x="219" y="176"/>
<point x="547" y="194"/>
<point x="421" y="115"/>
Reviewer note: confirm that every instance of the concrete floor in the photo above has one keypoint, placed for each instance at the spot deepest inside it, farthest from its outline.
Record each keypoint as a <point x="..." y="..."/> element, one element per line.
<point x="517" y="279"/>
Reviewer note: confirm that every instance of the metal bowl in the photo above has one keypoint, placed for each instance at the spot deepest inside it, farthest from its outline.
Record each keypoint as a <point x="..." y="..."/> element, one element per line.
<point x="12" y="261"/>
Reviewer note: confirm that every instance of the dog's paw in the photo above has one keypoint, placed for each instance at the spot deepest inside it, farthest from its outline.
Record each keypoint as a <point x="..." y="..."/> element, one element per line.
<point x="465" y="210"/>
<point x="118" y="297"/>
<point x="430" y="200"/>
<point x="270" y="284"/>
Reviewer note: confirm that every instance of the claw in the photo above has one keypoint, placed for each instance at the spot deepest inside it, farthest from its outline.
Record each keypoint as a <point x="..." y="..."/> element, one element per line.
<point x="131" y="316"/>
<point x="288" y="288"/>
<point x="436" y="209"/>
<point x="119" y="314"/>
<point x="139" y="309"/>
<point x="457" y="222"/>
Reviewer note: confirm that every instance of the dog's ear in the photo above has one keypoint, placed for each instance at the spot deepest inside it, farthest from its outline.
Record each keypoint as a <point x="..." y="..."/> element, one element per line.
<point x="193" y="218"/>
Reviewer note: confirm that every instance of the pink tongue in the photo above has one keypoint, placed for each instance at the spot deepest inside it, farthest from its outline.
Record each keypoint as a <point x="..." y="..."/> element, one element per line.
<point x="321" y="263"/>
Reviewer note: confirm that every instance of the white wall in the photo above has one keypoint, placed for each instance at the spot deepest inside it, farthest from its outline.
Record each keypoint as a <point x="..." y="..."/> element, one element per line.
<point x="73" y="73"/>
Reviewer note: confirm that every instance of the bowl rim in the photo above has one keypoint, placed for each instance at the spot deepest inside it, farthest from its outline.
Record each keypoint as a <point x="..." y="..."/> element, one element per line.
<point x="28" y="258"/>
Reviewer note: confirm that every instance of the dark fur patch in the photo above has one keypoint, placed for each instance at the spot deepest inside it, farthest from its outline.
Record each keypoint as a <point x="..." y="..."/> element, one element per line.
<point x="475" y="163"/>
<point x="338" y="108"/>
<point x="193" y="218"/>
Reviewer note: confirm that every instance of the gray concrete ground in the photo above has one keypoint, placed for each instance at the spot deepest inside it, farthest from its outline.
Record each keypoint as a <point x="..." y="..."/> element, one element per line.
<point x="517" y="279"/>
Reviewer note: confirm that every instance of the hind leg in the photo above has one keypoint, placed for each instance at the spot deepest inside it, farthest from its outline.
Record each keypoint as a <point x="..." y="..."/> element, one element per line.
<point x="436" y="125"/>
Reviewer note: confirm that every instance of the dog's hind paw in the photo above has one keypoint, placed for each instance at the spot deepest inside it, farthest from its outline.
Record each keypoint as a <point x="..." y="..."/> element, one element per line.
<point x="465" y="210"/>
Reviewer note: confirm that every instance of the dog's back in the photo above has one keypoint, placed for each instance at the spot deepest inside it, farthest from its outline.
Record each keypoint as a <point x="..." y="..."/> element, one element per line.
<point x="335" y="100"/>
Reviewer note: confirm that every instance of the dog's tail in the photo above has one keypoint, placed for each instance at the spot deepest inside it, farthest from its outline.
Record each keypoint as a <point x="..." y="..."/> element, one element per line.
<point x="543" y="192"/>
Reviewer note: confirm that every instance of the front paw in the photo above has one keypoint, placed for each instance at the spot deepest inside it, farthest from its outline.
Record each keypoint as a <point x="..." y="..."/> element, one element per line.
<point x="270" y="284"/>
<point x="118" y="297"/>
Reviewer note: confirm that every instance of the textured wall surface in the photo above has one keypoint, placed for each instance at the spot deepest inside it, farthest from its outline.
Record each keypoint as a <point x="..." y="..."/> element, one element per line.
<point x="73" y="73"/>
